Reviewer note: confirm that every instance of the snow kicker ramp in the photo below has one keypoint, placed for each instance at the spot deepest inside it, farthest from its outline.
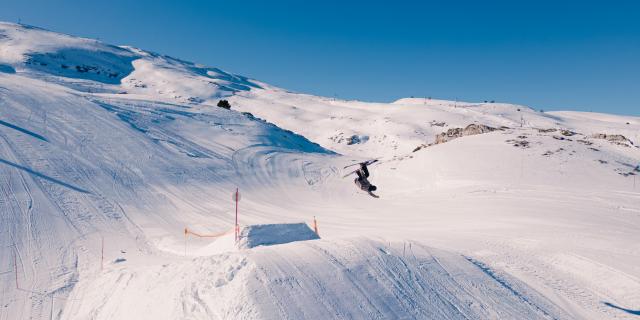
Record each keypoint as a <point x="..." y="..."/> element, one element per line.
<point x="346" y="279"/>
<point x="257" y="235"/>
<point x="273" y="234"/>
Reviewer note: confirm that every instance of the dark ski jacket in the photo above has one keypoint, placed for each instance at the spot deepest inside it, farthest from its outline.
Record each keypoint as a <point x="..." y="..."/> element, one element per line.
<point x="361" y="181"/>
<point x="363" y="184"/>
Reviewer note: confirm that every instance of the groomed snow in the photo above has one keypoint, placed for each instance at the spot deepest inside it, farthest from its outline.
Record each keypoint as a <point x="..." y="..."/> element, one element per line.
<point x="345" y="279"/>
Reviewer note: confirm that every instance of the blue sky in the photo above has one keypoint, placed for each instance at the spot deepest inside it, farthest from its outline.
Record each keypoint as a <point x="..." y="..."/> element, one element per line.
<point x="551" y="55"/>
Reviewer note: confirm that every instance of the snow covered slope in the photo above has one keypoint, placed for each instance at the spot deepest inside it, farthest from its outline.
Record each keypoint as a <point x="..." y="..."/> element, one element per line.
<point x="113" y="145"/>
<point x="400" y="127"/>
<point x="356" y="279"/>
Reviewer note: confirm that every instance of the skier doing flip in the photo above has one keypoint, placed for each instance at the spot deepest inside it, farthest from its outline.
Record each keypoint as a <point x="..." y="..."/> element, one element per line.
<point x="362" y="182"/>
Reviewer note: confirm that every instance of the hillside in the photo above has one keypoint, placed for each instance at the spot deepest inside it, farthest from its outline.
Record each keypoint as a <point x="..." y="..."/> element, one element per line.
<point x="523" y="214"/>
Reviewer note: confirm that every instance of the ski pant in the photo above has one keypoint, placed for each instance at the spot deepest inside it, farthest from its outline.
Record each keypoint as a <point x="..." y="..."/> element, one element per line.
<point x="363" y="172"/>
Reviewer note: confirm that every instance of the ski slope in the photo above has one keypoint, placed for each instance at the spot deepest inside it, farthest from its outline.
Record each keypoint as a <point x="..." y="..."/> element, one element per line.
<point x="346" y="279"/>
<point x="117" y="145"/>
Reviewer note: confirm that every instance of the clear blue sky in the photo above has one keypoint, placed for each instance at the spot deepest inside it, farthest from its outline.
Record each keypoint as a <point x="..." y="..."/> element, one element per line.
<point x="554" y="55"/>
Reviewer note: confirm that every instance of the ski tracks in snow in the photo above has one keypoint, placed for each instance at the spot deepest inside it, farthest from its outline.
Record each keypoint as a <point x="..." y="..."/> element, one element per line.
<point x="584" y="285"/>
<point x="363" y="279"/>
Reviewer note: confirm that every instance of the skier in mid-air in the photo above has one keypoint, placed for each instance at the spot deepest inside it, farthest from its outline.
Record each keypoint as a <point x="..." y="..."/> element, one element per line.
<point x="362" y="182"/>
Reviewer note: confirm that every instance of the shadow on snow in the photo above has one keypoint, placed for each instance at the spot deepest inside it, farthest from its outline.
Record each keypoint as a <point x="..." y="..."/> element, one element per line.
<point x="25" y="131"/>
<point x="629" y="311"/>
<point x="40" y="175"/>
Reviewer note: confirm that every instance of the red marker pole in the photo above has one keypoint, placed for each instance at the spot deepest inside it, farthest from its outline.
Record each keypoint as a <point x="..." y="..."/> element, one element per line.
<point x="315" y="226"/>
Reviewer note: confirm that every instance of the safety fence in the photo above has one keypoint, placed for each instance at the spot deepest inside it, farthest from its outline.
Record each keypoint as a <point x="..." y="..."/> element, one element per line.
<point x="188" y="232"/>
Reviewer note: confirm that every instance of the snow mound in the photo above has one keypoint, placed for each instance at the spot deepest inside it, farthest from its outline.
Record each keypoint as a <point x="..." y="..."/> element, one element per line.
<point x="272" y="234"/>
<point x="326" y="279"/>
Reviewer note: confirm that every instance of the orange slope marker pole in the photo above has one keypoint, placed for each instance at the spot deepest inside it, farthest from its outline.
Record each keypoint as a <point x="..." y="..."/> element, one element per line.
<point x="315" y="226"/>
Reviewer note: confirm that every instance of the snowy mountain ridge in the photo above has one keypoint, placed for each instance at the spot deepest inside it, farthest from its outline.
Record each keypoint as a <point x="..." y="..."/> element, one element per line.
<point x="118" y="149"/>
<point x="71" y="61"/>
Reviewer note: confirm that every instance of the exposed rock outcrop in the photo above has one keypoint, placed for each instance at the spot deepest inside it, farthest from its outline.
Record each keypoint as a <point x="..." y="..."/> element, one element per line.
<point x="614" y="138"/>
<point x="567" y="133"/>
<point x="470" y="130"/>
<point x="451" y="134"/>
<point x="356" y="139"/>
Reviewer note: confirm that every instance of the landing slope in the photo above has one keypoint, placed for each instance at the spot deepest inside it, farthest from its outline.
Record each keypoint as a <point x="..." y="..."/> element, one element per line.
<point x="354" y="279"/>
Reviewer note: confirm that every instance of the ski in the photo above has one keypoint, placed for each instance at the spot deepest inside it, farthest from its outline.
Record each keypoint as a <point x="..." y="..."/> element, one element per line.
<point x="368" y="162"/>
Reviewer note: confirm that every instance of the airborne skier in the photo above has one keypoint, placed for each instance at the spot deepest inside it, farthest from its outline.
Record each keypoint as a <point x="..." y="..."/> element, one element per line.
<point x="362" y="182"/>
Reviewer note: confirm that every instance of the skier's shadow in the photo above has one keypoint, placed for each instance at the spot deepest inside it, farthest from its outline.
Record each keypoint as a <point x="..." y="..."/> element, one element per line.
<point x="45" y="177"/>
<point x="25" y="131"/>
<point x="629" y="311"/>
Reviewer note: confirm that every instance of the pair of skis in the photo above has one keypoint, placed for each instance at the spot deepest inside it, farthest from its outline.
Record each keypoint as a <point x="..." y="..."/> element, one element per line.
<point x="368" y="162"/>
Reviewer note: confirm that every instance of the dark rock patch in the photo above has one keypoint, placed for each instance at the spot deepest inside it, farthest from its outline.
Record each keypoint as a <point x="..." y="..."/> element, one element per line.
<point x="617" y="139"/>
<point x="470" y="130"/>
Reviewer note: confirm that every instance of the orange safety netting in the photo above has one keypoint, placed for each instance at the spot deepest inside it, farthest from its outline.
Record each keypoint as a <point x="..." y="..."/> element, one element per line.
<point x="187" y="232"/>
